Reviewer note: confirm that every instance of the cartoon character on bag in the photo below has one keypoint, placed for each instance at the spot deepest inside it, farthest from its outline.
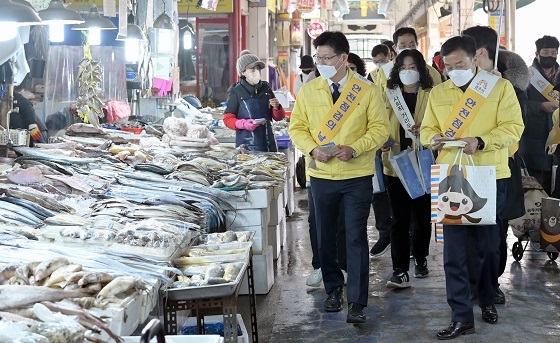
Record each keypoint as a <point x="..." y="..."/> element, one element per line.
<point x="550" y="233"/>
<point x="457" y="198"/>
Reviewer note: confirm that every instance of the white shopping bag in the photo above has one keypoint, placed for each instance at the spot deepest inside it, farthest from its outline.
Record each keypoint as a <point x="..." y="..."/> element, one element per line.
<point x="463" y="194"/>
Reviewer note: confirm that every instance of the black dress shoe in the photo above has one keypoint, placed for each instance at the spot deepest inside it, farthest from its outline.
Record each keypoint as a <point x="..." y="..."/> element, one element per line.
<point x="490" y="314"/>
<point x="456" y="329"/>
<point x="356" y="314"/>
<point x="499" y="297"/>
<point x="334" y="300"/>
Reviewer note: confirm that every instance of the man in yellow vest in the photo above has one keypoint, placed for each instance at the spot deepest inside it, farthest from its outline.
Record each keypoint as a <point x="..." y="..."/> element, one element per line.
<point x="512" y="68"/>
<point x="339" y="120"/>
<point x="453" y="112"/>
<point x="404" y="38"/>
<point x="380" y="55"/>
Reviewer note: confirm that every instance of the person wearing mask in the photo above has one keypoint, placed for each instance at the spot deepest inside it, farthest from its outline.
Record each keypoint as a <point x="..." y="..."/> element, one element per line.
<point x="251" y="106"/>
<point x="540" y="106"/>
<point x="512" y="68"/>
<point x="315" y="279"/>
<point x="27" y="119"/>
<point x="404" y="38"/>
<point x="356" y="64"/>
<point x="339" y="121"/>
<point x="380" y="56"/>
<point x="391" y="46"/>
<point x="408" y="88"/>
<point x="306" y="66"/>
<point x="494" y="124"/>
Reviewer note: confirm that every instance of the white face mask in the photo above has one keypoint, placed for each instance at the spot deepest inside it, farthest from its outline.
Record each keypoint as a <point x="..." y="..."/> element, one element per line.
<point x="380" y="64"/>
<point x="253" y="77"/>
<point x="328" y="71"/>
<point x="460" y="77"/>
<point x="403" y="49"/>
<point x="409" y="77"/>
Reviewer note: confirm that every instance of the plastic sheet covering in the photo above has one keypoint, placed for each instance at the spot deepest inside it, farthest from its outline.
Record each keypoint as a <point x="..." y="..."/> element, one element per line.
<point x="62" y="70"/>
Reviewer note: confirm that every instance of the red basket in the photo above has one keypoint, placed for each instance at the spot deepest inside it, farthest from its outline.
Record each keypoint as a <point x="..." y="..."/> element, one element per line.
<point x="135" y="130"/>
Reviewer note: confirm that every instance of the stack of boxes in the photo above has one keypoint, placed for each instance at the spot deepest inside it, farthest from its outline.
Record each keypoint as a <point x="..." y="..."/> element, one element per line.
<point x="252" y="213"/>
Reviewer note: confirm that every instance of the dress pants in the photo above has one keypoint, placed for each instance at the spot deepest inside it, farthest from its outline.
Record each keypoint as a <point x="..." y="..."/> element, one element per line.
<point x="486" y="240"/>
<point x="354" y="195"/>
<point x="341" y="238"/>
<point x="403" y="235"/>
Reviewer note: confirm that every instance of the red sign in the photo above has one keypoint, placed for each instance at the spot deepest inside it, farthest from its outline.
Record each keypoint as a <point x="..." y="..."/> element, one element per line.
<point x="305" y="6"/>
<point x="315" y="29"/>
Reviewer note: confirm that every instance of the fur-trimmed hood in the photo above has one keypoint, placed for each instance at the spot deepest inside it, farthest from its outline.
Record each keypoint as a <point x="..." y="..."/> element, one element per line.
<point x="514" y="69"/>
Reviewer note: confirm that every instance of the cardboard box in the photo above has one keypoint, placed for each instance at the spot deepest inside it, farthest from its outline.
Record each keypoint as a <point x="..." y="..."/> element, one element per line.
<point x="263" y="273"/>
<point x="260" y="240"/>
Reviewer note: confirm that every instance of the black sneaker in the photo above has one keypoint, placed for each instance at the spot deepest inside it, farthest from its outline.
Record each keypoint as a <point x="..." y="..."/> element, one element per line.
<point x="421" y="269"/>
<point x="380" y="247"/>
<point x="399" y="279"/>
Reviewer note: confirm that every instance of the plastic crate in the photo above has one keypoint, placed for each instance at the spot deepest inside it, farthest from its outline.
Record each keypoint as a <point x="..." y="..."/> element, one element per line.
<point x="284" y="142"/>
<point x="18" y="137"/>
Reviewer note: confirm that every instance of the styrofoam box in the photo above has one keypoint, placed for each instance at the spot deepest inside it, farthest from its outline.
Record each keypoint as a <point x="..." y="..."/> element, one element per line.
<point x="248" y="217"/>
<point x="276" y="191"/>
<point x="274" y="240"/>
<point x="255" y="198"/>
<point x="191" y="321"/>
<point x="263" y="273"/>
<point x="181" y="339"/>
<point x="283" y="232"/>
<point x="290" y="153"/>
<point x="291" y="203"/>
<point x="260" y="240"/>
<point x="277" y="211"/>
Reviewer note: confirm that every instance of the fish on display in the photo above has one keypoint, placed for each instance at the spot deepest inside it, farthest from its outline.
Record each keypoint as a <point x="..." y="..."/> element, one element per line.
<point x="13" y="296"/>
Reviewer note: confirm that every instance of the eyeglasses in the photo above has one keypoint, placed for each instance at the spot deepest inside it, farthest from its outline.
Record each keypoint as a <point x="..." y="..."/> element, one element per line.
<point x="323" y="59"/>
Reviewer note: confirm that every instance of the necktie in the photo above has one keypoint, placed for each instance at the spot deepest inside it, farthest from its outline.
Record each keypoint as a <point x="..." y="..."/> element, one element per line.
<point x="335" y="93"/>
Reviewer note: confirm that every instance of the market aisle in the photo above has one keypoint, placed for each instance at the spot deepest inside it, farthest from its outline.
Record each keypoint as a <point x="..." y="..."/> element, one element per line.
<point x="293" y="312"/>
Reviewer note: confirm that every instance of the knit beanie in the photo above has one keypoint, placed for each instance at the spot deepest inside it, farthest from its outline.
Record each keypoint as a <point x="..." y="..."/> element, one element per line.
<point x="245" y="52"/>
<point x="247" y="61"/>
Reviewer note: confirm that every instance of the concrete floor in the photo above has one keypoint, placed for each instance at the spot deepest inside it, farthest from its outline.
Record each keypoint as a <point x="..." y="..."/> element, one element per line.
<point x="293" y="312"/>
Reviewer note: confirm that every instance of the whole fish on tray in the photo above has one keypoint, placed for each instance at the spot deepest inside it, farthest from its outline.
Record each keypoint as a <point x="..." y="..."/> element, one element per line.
<point x="53" y="157"/>
<point x="39" y="199"/>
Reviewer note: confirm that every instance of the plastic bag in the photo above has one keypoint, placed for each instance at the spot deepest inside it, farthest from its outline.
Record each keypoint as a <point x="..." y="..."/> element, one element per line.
<point x="11" y="332"/>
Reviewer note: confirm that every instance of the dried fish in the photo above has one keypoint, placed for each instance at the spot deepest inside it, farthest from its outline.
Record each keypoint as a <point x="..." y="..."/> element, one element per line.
<point x="42" y="200"/>
<point x="120" y="285"/>
<point x="12" y="296"/>
<point x="46" y="268"/>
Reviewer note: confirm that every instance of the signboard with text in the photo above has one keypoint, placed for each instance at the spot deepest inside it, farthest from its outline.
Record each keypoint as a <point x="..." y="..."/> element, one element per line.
<point x="315" y="29"/>
<point x="190" y="6"/>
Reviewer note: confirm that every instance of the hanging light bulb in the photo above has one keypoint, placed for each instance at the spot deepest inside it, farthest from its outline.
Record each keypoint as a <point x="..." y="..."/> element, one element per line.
<point x="14" y="14"/>
<point x="56" y="15"/>
<point x="56" y="32"/>
<point x="94" y="36"/>
<point x="94" y="23"/>
<point x="8" y="30"/>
